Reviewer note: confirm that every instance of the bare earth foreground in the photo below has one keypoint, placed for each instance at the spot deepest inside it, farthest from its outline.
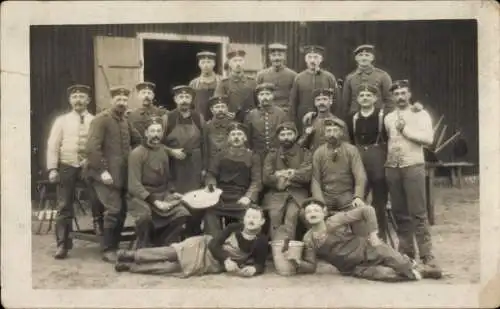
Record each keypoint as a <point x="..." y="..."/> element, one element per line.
<point x="456" y="243"/>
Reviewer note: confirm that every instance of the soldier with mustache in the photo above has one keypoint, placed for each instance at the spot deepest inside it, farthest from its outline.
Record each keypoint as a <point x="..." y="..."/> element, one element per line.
<point x="140" y="116"/>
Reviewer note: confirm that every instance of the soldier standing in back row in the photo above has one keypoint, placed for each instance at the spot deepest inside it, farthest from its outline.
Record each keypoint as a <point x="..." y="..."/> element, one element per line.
<point x="365" y="74"/>
<point x="238" y="87"/>
<point x="312" y="78"/>
<point x="205" y="84"/>
<point x="139" y="116"/>
<point x="279" y="75"/>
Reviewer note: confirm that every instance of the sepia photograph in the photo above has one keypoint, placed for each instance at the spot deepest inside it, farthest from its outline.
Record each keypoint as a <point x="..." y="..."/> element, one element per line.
<point x="258" y="154"/>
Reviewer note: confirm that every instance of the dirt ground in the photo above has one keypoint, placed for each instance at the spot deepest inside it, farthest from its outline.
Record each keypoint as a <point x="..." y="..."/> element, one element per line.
<point x="455" y="237"/>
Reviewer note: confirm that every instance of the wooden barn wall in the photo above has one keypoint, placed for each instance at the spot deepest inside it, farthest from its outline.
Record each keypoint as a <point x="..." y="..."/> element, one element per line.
<point x="439" y="58"/>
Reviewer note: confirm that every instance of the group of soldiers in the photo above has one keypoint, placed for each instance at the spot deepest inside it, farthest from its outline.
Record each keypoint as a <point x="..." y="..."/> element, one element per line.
<point x="269" y="143"/>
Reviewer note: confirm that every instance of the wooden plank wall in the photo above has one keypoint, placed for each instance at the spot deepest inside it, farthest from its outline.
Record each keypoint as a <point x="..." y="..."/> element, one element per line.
<point x="439" y="58"/>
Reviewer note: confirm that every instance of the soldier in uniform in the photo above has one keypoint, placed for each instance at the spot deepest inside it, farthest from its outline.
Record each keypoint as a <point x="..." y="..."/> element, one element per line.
<point x="279" y="75"/>
<point x="287" y="174"/>
<point x="205" y="84"/>
<point x="237" y="86"/>
<point x="237" y="171"/>
<point x="314" y="132"/>
<point x="215" y="133"/>
<point x="366" y="73"/>
<point x="65" y="159"/>
<point x="312" y="78"/>
<point x="184" y="130"/>
<point x="409" y="133"/>
<point x="263" y="121"/>
<point x="108" y="146"/>
<point x="139" y="116"/>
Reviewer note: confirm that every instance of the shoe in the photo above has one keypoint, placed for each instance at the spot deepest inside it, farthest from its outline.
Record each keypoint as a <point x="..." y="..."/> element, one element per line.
<point x="109" y="256"/>
<point x="61" y="253"/>
<point x="121" y="267"/>
<point x="125" y="256"/>
<point x="430" y="268"/>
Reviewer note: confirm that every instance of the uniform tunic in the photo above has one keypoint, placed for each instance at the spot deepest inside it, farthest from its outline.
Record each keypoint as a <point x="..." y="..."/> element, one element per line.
<point x="283" y="206"/>
<point x="241" y="94"/>
<point x="282" y="78"/>
<point x="139" y="117"/>
<point x="262" y="124"/>
<point x="317" y="137"/>
<point x="352" y="254"/>
<point x="149" y="179"/>
<point x="301" y="95"/>
<point x="340" y="174"/>
<point x="215" y="138"/>
<point x="371" y="76"/>
<point x="204" y="88"/>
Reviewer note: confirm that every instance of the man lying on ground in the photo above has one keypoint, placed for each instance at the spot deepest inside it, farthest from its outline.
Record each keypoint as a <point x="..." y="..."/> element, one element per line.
<point x="240" y="249"/>
<point x="365" y="257"/>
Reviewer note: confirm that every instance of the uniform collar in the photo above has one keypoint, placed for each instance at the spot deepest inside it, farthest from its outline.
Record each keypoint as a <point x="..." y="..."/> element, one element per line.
<point x="237" y="150"/>
<point x="144" y="109"/>
<point x="291" y="151"/>
<point x="115" y="115"/>
<point x="318" y="72"/>
<point x="268" y="111"/>
<point x="208" y="79"/>
<point x="220" y="123"/>
<point x="235" y="77"/>
<point x="367" y="70"/>
<point x="279" y="69"/>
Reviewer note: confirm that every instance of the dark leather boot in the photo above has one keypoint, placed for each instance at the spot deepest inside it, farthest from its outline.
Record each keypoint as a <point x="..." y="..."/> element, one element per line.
<point x="121" y="267"/>
<point x="109" y="256"/>
<point x="125" y="256"/>
<point x="108" y="241"/>
<point x="61" y="253"/>
<point x="62" y="239"/>
<point x="430" y="268"/>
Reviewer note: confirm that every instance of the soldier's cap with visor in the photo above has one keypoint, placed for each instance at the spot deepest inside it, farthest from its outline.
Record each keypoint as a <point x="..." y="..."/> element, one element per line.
<point x="265" y="86"/>
<point x="334" y="121"/>
<point x="206" y="55"/>
<point x="367" y="87"/>
<point x="287" y="125"/>
<point x="236" y="53"/>
<point x="316" y="49"/>
<point x="78" y="88"/>
<point x="217" y="99"/>
<point x="119" y="90"/>
<point x="183" y="89"/>
<point x="276" y="47"/>
<point x="364" y="48"/>
<point x="310" y="201"/>
<point x="145" y="85"/>
<point x="398" y="84"/>
<point x="323" y="92"/>
<point x="154" y="120"/>
<point x="236" y="126"/>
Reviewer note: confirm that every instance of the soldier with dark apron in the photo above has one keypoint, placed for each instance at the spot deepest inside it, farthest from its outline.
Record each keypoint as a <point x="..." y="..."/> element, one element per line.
<point x="184" y="131"/>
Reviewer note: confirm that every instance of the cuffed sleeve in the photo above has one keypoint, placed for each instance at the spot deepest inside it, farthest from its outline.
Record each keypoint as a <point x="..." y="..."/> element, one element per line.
<point x="268" y="177"/>
<point x="316" y="190"/>
<point x="135" y="186"/>
<point x="358" y="172"/>
<point x="303" y="173"/>
<point x="97" y="133"/>
<point x="256" y="183"/>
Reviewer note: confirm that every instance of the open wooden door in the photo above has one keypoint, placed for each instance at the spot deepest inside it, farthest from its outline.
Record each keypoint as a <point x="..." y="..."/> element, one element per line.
<point x="255" y="59"/>
<point x="117" y="62"/>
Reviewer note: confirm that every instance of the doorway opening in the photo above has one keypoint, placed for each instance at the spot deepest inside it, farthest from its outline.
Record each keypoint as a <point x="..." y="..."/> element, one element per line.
<point x="172" y="63"/>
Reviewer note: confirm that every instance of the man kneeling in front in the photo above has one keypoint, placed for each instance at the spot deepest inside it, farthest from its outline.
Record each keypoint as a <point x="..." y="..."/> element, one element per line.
<point x="334" y="241"/>
<point x="240" y="249"/>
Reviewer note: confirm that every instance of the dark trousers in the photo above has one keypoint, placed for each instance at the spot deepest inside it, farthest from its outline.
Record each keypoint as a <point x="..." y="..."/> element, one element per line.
<point x="69" y="177"/>
<point x="115" y="211"/>
<point x="407" y="191"/>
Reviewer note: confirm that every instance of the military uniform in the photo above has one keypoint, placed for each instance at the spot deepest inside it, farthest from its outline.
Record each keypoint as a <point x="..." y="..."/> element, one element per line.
<point x="110" y="141"/>
<point x="240" y="91"/>
<point x="237" y="172"/>
<point x="366" y="76"/>
<point x="139" y="116"/>
<point x="283" y="206"/>
<point x="317" y="137"/>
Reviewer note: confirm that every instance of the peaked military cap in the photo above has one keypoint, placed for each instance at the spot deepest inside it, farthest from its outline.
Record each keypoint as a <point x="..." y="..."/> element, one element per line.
<point x="119" y="90"/>
<point x="287" y="125"/>
<point x="308" y="49"/>
<point x="183" y="89"/>
<point x="368" y="87"/>
<point x="206" y="55"/>
<point x="310" y="201"/>
<point x="276" y="47"/>
<point x="217" y="99"/>
<point x="364" y="48"/>
<point x="235" y="53"/>
<point x="144" y="85"/>
<point x="399" y="84"/>
<point x="334" y="122"/>
<point x="77" y="88"/>
<point x="233" y="126"/>
<point x="265" y="86"/>
<point x="323" y="92"/>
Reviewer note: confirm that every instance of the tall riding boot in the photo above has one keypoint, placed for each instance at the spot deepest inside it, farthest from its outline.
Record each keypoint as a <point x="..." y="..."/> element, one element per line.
<point x="143" y="233"/>
<point x="108" y="245"/>
<point x="62" y="240"/>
